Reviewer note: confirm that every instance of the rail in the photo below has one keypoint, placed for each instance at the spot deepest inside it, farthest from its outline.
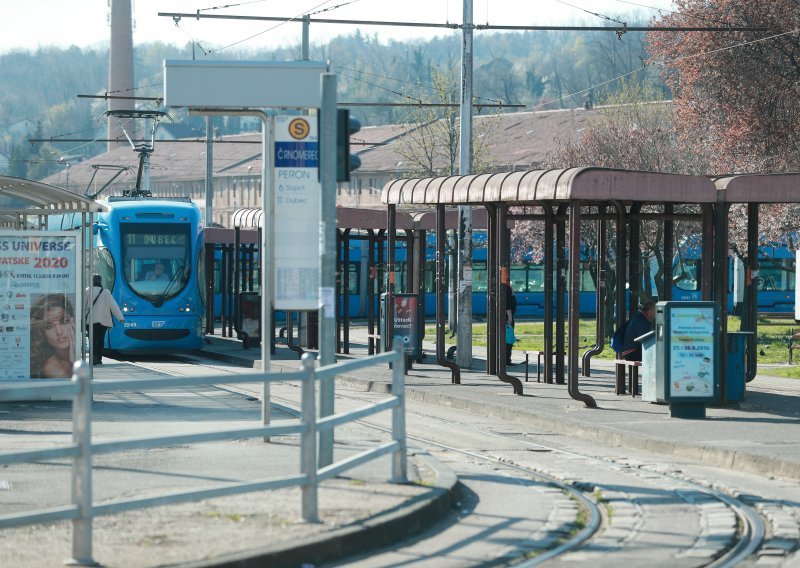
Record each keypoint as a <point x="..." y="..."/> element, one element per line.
<point x="81" y="389"/>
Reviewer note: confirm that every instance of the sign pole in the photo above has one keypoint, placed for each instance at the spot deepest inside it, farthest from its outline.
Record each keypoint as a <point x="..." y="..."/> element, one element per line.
<point x="267" y="245"/>
<point x="327" y="250"/>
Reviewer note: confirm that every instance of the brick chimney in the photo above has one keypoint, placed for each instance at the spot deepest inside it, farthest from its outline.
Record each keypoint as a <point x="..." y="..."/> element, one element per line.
<point x="120" y="64"/>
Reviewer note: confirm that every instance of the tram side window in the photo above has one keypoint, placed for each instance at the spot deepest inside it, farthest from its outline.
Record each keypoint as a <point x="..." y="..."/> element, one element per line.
<point x="587" y="281"/>
<point x="104" y="264"/>
<point x="776" y="275"/>
<point x="535" y="278"/>
<point x="686" y="275"/>
<point x="354" y="283"/>
<point x="400" y="275"/>
<point x="519" y="277"/>
<point x="430" y="277"/>
<point x="479" y="276"/>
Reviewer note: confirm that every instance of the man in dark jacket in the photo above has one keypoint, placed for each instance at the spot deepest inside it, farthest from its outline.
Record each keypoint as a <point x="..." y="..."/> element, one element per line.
<point x="639" y="324"/>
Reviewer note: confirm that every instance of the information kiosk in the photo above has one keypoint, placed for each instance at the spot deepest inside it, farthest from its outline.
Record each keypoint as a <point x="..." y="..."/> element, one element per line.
<point x="680" y="361"/>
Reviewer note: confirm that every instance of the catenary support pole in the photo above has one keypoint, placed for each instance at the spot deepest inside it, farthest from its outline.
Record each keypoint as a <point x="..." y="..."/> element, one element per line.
<point x="327" y="261"/>
<point x="306" y="26"/>
<point x="464" y="321"/>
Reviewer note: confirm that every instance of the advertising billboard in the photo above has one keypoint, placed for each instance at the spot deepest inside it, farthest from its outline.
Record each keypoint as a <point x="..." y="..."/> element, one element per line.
<point x="692" y="346"/>
<point x="40" y="306"/>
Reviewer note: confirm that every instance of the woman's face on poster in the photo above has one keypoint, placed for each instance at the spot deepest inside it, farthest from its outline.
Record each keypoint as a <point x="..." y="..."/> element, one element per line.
<point x="58" y="328"/>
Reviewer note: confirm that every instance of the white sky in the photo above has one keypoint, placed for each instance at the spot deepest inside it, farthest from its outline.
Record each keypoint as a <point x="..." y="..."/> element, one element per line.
<point x="30" y="24"/>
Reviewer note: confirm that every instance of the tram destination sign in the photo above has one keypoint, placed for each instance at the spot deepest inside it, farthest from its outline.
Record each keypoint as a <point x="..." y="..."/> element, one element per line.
<point x="296" y="209"/>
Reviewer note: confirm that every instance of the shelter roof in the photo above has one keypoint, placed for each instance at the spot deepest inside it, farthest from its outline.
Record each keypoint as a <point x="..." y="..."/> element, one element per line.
<point x="18" y="195"/>
<point x="760" y="188"/>
<point x="587" y="183"/>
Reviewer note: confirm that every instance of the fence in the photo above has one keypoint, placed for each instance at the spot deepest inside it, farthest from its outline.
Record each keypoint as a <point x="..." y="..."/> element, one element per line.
<point x="81" y="389"/>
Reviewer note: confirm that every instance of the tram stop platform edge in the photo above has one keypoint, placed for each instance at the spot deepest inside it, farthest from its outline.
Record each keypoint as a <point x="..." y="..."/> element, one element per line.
<point x="759" y="435"/>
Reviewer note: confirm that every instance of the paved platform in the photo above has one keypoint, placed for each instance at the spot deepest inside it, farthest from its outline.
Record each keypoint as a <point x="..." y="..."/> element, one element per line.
<point x="759" y="435"/>
<point x="262" y="528"/>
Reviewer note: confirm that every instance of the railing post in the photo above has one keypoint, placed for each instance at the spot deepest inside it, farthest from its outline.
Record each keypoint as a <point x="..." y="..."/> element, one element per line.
<point x="82" y="469"/>
<point x="308" y="440"/>
<point x="399" y="458"/>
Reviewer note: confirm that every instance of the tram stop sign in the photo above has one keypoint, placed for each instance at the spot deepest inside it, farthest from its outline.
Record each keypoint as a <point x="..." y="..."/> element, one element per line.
<point x="680" y="362"/>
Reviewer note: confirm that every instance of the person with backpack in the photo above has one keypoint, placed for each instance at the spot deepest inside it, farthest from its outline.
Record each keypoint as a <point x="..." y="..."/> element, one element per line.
<point x="623" y="340"/>
<point x="101" y="305"/>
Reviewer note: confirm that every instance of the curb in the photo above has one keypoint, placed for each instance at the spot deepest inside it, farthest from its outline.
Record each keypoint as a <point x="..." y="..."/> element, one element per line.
<point x="378" y="531"/>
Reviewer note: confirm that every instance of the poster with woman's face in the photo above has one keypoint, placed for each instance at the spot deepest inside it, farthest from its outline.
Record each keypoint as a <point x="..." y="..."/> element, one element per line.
<point x="52" y="336"/>
<point x="39" y="338"/>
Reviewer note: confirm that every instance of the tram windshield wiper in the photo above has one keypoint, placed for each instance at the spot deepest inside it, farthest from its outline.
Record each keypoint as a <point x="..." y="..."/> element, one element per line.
<point x="158" y="302"/>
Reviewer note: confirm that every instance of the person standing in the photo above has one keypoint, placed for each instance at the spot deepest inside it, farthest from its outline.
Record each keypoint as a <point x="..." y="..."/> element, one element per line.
<point x="101" y="305"/>
<point x="511" y="309"/>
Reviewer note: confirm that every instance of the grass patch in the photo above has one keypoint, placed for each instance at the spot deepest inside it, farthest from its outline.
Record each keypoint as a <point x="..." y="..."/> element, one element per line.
<point x="773" y="336"/>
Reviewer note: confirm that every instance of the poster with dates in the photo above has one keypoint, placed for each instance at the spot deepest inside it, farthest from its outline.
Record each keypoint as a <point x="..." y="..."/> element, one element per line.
<point x="692" y="353"/>
<point x="40" y="308"/>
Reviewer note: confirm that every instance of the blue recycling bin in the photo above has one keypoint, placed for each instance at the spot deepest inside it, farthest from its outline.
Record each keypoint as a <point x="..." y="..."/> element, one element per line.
<point x="736" y="365"/>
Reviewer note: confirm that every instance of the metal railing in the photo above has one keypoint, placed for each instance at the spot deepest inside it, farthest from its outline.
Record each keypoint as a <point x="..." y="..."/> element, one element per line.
<point x="80" y="389"/>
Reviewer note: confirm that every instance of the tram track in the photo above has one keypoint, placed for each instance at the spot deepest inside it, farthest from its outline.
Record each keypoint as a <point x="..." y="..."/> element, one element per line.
<point x="744" y="544"/>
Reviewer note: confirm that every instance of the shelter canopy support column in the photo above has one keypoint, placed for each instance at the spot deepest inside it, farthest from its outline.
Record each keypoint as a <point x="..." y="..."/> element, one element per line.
<point x="574" y="304"/>
<point x="503" y="256"/>
<point x="441" y="235"/>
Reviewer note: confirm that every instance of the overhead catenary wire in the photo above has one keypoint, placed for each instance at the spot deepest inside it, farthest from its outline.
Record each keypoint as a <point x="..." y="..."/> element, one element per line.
<point x="414" y="83"/>
<point x="223" y="6"/>
<point x="248" y="38"/>
<point x="601" y="16"/>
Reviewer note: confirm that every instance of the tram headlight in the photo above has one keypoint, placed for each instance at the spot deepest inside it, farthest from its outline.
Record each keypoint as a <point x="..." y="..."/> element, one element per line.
<point x="186" y="308"/>
<point x="128" y="308"/>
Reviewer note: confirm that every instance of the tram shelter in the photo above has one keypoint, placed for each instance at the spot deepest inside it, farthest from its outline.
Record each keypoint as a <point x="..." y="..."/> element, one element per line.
<point x="26" y="205"/>
<point x="564" y="200"/>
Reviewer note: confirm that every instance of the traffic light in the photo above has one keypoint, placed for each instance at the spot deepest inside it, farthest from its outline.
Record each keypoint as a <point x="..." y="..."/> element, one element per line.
<point x="345" y="161"/>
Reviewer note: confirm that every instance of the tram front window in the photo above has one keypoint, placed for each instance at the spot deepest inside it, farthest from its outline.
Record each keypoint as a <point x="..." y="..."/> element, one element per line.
<point x="155" y="259"/>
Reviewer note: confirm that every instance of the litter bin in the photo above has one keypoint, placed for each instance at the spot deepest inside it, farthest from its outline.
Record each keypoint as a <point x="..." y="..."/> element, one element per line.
<point x="248" y="318"/>
<point x="312" y="329"/>
<point x="737" y="365"/>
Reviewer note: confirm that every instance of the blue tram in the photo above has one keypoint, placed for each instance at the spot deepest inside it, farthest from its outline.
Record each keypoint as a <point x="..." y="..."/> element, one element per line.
<point x="776" y="279"/>
<point x="149" y="253"/>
